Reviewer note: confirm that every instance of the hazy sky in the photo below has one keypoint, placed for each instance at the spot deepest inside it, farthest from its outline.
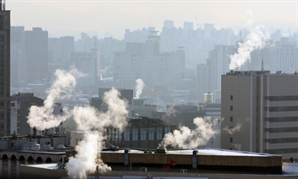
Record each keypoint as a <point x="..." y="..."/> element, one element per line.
<point x="65" y="17"/>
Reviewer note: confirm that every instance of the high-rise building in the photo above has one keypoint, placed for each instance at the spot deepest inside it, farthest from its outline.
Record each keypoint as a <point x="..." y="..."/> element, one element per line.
<point x="260" y="112"/>
<point x="37" y="54"/>
<point x="86" y="63"/>
<point x="4" y="70"/>
<point x="18" y="60"/>
<point x="285" y="55"/>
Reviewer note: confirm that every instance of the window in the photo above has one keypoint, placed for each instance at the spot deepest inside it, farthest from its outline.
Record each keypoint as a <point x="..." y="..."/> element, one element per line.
<point x="135" y="134"/>
<point x="231" y="108"/>
<point x="127" y="135"/>
<point x="143" y="133"/>
<point x="151" y="133"/>
<point x="231" y="139"/>
<point x="231" y="118"/>
<point x="167" y="130"/>
<point x="159" y="133"/>
<point x="1" y="105"/>
<point x="231" y="98"/>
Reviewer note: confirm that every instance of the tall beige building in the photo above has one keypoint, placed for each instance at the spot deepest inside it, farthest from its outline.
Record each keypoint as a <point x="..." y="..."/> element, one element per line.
<point x="260" y="112"/>
<point x="4" y="70"/>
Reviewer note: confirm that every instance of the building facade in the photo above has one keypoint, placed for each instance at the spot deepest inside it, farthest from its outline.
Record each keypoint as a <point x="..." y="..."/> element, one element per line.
<point x="20" y="106"/>
<point x="37" y="54"/>
<point x="260" y="112"/>
<point x="4" y="70"/>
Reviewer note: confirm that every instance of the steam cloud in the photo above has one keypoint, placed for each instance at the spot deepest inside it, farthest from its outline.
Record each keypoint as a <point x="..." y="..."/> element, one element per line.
<point x="139" y="87"/>
<point x="187" y="138"/>
<point x="232" y="130"/>
<point x="43" y="117"/>
<point x="93" y="123"/>
<point x="254" y="40"/>
<point x="169" y="113"/>
<point x="88" y="119"/>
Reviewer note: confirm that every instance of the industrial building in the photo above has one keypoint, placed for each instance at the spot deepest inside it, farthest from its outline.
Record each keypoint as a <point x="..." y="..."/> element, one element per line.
<point x="20" y="106"/>
<point x="260" y="112"/>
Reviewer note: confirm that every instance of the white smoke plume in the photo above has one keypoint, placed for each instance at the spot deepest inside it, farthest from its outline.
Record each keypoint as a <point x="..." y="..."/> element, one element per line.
<point x="139" y="87"/>
<point x="94" y="123"/>
<point x="87" y="118"/>
<point x="232" y="130"/>
<point x="42" y="117"/>
<point x="187" y="138"/>
<point x="254" y="40"/>
<point x="169" y="113"/>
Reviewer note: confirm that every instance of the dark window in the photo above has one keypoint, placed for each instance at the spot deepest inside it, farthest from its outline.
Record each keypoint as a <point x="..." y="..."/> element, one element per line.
<point x="281" y="140"/>
<point x="281" y="108"/>
<point x="281" y="98"/>
<point x="281" y="151"/>
<point x="281" y="119"/>
<point x="231" y="108"/>
<point x="231" y="118"/>
<point x="281" y="129"/>
<point x="231" y="97"/>
<point x="231" y="139"/>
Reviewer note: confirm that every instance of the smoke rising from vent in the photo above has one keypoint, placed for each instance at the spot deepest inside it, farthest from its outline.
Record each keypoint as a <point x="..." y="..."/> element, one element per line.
<point x="254" y="40"/>
<point x="87" y="118"/>
<point x="94" y="123"/>
<point x="42" y="117"/>
<point x="187" y="138"/>
<point x="139" y="87"/>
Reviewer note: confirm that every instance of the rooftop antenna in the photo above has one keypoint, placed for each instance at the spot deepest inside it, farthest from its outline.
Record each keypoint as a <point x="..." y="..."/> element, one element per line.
<point x="262" y="67"/>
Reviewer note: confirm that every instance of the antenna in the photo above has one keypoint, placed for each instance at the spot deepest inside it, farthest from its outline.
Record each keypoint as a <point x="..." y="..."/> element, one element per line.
<point x="262" y="67"/>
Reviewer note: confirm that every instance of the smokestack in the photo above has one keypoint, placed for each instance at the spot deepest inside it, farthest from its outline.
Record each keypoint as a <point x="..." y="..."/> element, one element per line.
<point x="2" y="5"/>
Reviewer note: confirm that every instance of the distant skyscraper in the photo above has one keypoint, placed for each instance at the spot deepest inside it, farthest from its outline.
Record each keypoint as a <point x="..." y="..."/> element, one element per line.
<point x="285" y="55"/>
<point x="188" y="26"/>
<point x="18" y="60"/>
<point x="4" y="70"/>
<point x="168" y="24"/>
<point x="208" y="30"/>
<point x="37" y="54"/>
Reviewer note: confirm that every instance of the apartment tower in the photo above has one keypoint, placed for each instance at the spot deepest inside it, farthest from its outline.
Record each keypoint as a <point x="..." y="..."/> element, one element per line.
<point x="260" y="112"/>
<point x="4" y="70"/>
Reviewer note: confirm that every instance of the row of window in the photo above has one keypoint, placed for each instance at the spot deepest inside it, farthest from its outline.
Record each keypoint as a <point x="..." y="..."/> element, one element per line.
<point x="145" y="134"/>
<point x="281" y="140"/>
<point x="281" y="151"/>
<point x="276" y="98"/>
<point x="281" y="108"/>
<point x="281" y="98"/>
<point x="281" y="129"/>
<point x="281" y="119"/>
<point x="276" y="119"/>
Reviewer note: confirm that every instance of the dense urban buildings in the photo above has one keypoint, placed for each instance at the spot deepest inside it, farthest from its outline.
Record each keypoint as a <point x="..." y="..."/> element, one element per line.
<point x="4" y="71"/>
<point x="260" y="112"/>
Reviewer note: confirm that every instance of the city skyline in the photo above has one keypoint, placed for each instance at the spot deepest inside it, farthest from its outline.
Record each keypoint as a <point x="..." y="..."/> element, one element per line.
<point x="111" y="18"/>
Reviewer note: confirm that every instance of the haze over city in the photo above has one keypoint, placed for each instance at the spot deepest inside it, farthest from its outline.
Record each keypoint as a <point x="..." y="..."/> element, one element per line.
<point x="135" y="87"/>
<point x="111" y="18"/>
